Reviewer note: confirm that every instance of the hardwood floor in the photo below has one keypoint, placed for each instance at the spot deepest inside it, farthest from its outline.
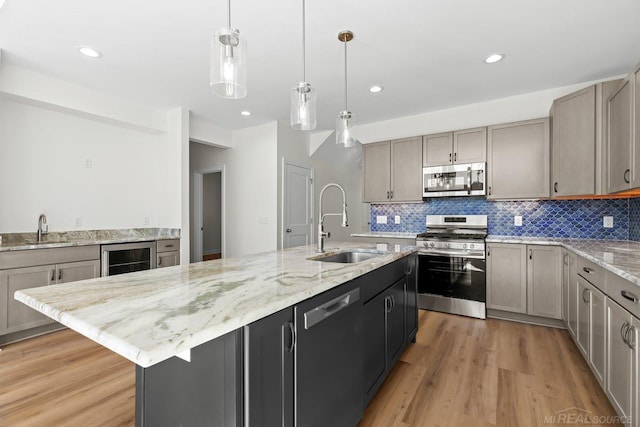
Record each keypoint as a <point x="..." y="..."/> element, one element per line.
<point x="65" y="379"/>
<point x="467" y="372"/>
<point x="460" y="372"/>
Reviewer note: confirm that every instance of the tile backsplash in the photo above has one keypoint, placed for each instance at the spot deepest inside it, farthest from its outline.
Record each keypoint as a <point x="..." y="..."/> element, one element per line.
<point x="544" y="218"/>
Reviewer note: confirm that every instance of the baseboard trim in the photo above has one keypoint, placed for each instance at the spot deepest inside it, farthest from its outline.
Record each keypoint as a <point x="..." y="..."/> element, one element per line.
<point x="525" y="318"/>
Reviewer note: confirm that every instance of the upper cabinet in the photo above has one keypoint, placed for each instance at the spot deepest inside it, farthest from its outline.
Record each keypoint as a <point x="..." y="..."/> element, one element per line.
<point x="518" y="160"/>
<point x="620" y="150"/>
<point x="579" y="129"/>
<point x="392" y="171"/>
<point x="462" y="146"/>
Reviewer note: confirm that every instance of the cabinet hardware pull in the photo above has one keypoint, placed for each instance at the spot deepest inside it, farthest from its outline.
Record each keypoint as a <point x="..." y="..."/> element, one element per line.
<point x="588" y="270"/>
<point x="555" y="187"/>
<point x="449" y="157"/>
<point x="628" y="295"/>
<point x="564" y="259"/>
<point x="408" y="273"/>
<point x="288" y="230"/>
<point x="626" y="176"/>
<point x="489" y="190"/>
<point x="159" y="261"/>
<point x="530" y="254"/>
<point x="168" y="246"/>
<point x="631" y="334"/>
<point x="387" y="194"/>
<point x="387" y="304"/>
<point x="59" y="275"/>
<point x="53" y="275"/>
<point x="391" y="194"/>
<point x="623" y="332"/>
<point x="585" y="296"/>
<point x="455" y="157"/>
<point x="292" y="333"/>
<point x="488" y="250"/>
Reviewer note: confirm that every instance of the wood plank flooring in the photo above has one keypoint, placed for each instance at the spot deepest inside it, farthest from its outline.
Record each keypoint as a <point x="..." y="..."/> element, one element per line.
<point x="467" y="372"/>
<point x="460" y="372"/>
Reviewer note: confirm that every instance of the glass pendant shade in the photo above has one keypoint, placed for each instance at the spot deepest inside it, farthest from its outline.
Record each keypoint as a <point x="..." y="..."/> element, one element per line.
<point x="228" y="68"/>
<point x="344" y="129"/>
<point x="303" y="106"/>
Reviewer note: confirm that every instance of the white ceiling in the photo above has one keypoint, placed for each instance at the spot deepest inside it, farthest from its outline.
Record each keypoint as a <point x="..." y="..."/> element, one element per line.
<point x="426" y="53"/>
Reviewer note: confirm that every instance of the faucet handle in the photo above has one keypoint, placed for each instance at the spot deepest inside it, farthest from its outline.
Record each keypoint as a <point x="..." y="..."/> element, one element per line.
<point x="328" y="235"/>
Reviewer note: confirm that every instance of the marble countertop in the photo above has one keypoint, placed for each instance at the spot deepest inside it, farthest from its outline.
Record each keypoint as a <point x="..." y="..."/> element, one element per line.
<point x="150" y="316"/>
<point x="61" y="239"/>
<point x="620" y="257"/>
<point x="387" y="234"/>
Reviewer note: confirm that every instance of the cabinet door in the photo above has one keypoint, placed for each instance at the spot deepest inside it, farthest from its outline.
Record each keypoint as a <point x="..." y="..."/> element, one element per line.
<point x="597" y="333"/>
<point x="584" y="315"/>
<point x="376" y="172"/>
<point x="572" y="309"/>
<point x="74" y="271"/>
<point x="619" y="141"/>
<point x="565" y="285"/>
<point x="544" y="287"/>
<point x="635" y="141"/>
<point x="167" y="259"/>
<point x="395" y="316"/>
<point x="15" y="315"/>
<point x="406" y="170"/>
<point x="412" y="299"/>
<point x="470" y="145"/>
<point x="269" y="354"/>
<point x="574" y="142"/>
<point x="507" y="277"/>
<point x="375" y="348"/>
<point x="518" y="160"/>
<point x="619" y="384"/>
<point x="634" y="337"/>
<point x="437" y="149"/>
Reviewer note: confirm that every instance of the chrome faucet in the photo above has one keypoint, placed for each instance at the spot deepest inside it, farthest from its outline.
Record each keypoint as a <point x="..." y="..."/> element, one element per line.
<point x="42" y="222"/>
<point x="321" y="233"/>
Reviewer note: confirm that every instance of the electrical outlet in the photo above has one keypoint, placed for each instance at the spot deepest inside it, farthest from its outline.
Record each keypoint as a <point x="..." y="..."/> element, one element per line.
<point x="397" y="219"/>
<point x="381" y="219"/>
<point x="517" y="221"/>
<point x="77" y="222"/>
<point x="88" y="163"/>
<point x="607" y="222"/>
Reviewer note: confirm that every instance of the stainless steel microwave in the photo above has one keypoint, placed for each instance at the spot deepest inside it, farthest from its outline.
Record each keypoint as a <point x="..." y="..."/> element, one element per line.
<point x="454" y="180"/>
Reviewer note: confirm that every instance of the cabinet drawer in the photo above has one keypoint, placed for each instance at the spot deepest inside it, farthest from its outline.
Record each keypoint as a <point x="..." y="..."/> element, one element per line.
<point x="169" y="245"/>
<point x="624" y="293"/>
<point x="378" y="280"/>
<point x="33" y="257"/>
<point x="592" y="272"/>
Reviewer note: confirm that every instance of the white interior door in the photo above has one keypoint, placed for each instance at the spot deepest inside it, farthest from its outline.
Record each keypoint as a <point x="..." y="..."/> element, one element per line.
<point x="297" y="223"/>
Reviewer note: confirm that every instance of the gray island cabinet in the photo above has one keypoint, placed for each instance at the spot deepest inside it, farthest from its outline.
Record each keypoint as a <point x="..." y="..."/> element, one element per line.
<point x="295" y="341"/>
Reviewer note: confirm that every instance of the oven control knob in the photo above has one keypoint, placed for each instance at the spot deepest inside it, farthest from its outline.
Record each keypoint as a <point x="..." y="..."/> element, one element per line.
<point x="448" y="245"/>
<point x="431" y="244"/>
<point x="471" y="246"/>
<point x="464" y="246"/>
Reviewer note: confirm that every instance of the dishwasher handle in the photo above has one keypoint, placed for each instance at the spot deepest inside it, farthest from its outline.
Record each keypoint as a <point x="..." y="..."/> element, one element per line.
<point x="329" y="308"/>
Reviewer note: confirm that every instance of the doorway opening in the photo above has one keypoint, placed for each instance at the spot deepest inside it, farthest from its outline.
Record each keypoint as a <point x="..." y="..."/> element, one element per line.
<point x="208" y="227"/>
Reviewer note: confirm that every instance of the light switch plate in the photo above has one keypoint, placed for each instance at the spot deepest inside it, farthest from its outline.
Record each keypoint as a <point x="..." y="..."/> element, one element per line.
<point x="607" y="222"/>
<point x="396" y="219"/>
<point x="381" y="219"/>
<point x="517" y="221"/>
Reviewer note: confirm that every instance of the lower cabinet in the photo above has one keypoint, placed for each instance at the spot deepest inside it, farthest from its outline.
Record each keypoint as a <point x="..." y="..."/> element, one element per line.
<point x="268" y="361"/>
<point x="571" y="272"/>
<point x="622" y="363"/>
<point x="167" y="259"/>
<point x="591" y="327"/>
<point x="524" y="279"/>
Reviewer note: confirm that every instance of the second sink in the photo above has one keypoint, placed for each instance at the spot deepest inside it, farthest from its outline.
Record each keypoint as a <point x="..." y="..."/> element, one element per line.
<point x="348" y="257"/>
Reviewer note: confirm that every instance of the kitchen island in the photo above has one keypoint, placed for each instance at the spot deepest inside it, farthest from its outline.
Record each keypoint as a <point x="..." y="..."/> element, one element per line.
<point x="153" y="316"/>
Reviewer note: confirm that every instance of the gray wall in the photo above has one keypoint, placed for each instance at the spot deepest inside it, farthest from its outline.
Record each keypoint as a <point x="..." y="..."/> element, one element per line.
<point x="211" y="215"/>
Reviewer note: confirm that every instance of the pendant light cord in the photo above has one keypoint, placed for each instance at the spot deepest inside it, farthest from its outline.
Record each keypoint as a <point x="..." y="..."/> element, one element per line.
<point x="345" y="75"/>
<point x="229" y="13"/>
<point x="304" y="56"/>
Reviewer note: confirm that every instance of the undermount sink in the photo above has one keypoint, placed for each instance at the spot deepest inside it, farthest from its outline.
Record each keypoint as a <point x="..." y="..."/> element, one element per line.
<point x="349" y="257"/>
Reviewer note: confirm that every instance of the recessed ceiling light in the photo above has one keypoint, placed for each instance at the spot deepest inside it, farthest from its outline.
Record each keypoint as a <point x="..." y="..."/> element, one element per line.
<point x="89" y="52"/>
<point x="376" y="89"/>
<point x="494" y="57"/>
<point x="245" y="113"/>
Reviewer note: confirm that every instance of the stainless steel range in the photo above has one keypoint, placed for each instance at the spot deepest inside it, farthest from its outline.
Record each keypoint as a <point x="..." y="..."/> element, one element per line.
<point x="452" y="265"/>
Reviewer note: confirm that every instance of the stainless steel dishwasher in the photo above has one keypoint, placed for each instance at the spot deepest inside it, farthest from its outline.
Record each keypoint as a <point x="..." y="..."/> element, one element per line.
<point x="328" y="359"/>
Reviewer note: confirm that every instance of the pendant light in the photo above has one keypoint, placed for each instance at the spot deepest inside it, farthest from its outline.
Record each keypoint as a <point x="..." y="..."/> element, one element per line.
<point x="344" y="124"/>
<point x="228" y="72"/>
<point x="303" y="96"/>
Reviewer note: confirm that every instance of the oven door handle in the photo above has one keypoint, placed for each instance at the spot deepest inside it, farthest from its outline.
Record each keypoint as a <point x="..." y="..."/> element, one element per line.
<point x="452" y="254"/>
